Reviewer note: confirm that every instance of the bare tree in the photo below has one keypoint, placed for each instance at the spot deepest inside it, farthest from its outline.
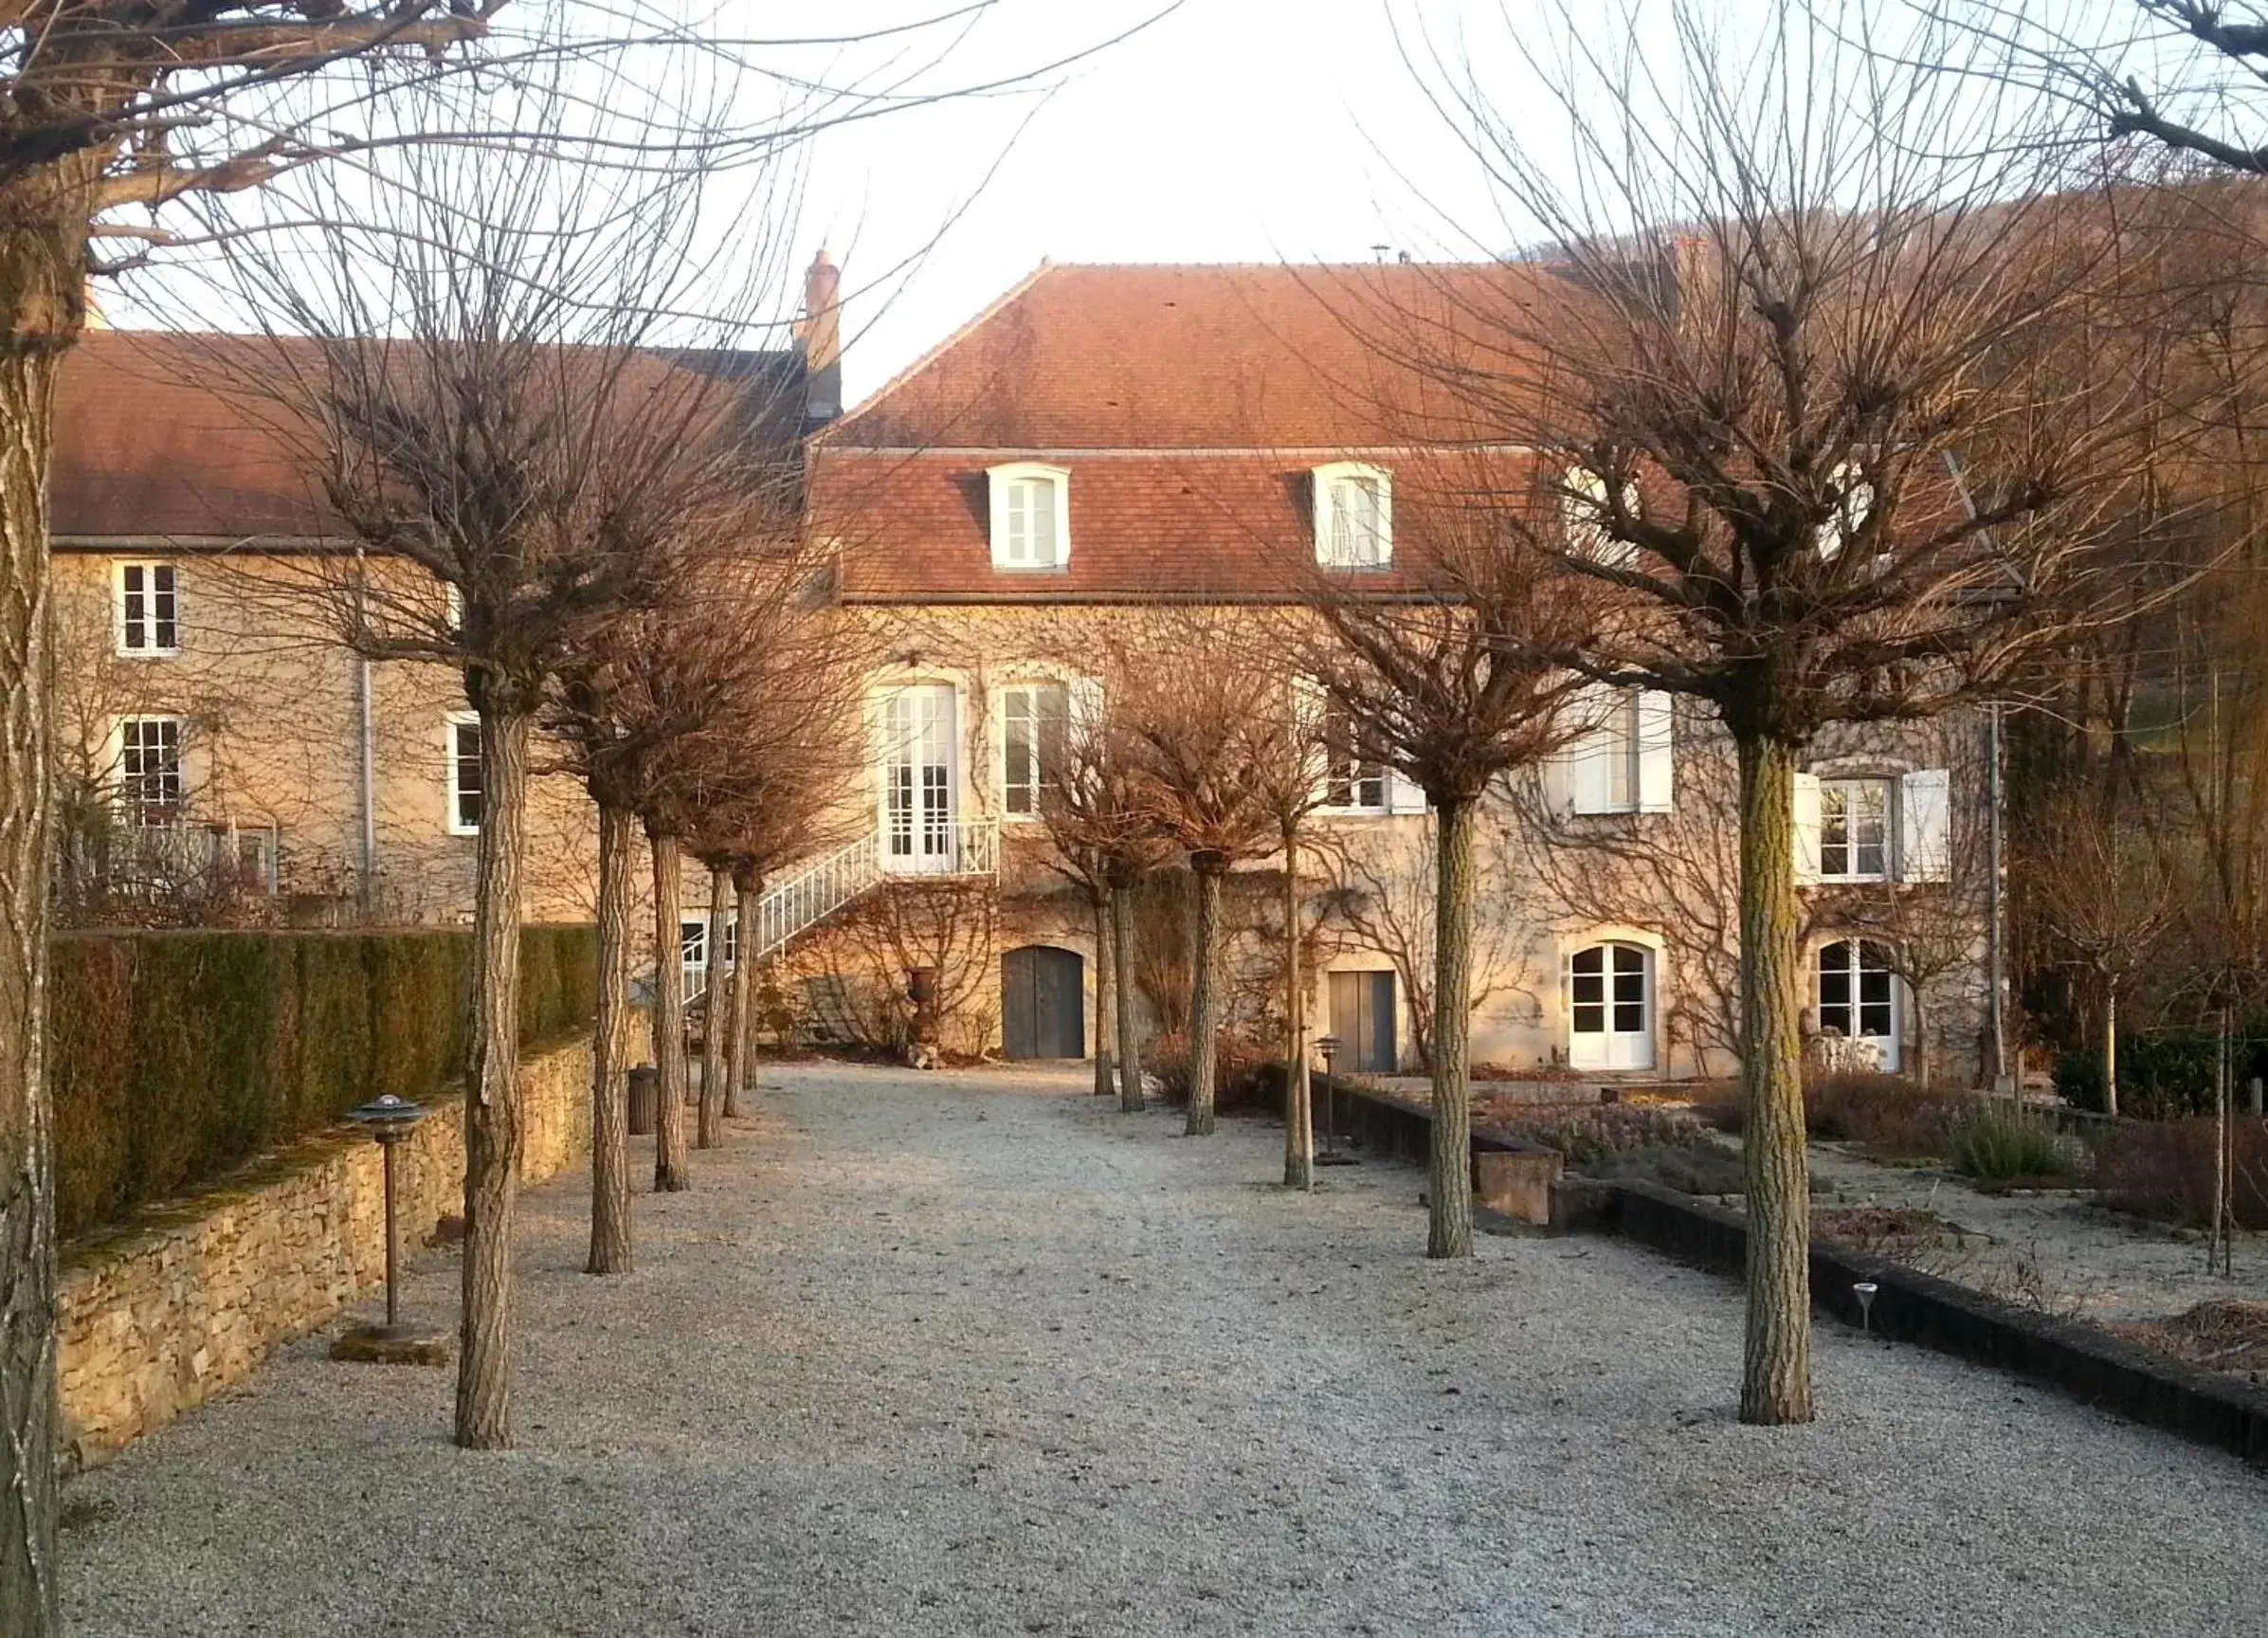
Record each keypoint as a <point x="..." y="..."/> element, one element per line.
<point x="1206" y="741"/>
<point x="1450" y="680"/>
<point x="1814" y="413"/>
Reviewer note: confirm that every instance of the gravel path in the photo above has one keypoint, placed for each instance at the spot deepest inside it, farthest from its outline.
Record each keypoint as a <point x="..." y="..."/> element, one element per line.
<point x="974" y="1354"/>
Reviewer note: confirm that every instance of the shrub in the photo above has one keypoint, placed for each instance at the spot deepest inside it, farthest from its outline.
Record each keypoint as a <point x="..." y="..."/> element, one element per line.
<point x="1590" y="1133"/>
<point x="176" y="1056"/>
<point x="2169" y="1076"/>
<point x="1999" y="1147"/>
<point x="1888" y="1117"/>
<point x="2166" y="1171"/>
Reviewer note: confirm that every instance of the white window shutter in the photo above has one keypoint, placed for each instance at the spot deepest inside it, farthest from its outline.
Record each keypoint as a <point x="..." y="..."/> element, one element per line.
<point x="1925" y="826"/>
<point x="1657" y="752"/>
<point x="1320" y="478"/>
<point x="1309" y="708"/>
<point x="1590" y="782"/>
<point x="1402" y="794"/>
<point x="1806" y="828"/>
<point x="1086" y="705"/>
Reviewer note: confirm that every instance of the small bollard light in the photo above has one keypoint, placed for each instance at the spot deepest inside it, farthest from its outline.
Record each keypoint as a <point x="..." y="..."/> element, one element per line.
<point x="1329" y="1047"/>
<point x="1864" y="1290"/>
<point x="390" y="1120"/>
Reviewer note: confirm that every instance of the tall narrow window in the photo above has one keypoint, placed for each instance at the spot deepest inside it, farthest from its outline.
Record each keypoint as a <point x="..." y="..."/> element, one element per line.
<point x="463" y="744"/>
<point x="1857" y="995"/>
<point x="151" y="790"/>
<point x="1033" y="720"/>
<point x="1353" y="785"/>
<point x="1610" y="1008"/>
<point x="148" y="604"/>
<point x="1854" y="829"/>
<point x="1355" y="516"/>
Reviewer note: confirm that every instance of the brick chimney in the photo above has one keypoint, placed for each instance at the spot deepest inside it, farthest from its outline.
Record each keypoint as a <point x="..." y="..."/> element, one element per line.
<point x="819" y="333"/>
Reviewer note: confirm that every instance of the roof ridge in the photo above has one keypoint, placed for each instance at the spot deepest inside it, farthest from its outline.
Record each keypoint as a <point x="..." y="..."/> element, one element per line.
<point x="960" y="332"/>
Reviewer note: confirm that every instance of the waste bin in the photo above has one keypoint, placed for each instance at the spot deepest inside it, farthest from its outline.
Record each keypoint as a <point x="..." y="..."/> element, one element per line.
<point x="645" y="1098"/>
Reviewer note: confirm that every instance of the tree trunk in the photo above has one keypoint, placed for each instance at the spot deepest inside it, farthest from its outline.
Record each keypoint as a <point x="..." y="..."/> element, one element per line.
<point x="1920" y="1071"/>
<point x="717" y="1016"/>
<point x="1205" y="1001"/>
<point x="1106" y="1008"/>
<point x="611" y="1051"/>
<point x="1776" y="1378"/>
<point x="2111" y="1050"/>
<point x="1299" y="1128"/>
<point x="740" y="1063"/>
<point x="2217" y="1242"/>
<point x="1449" y="1228"/>
<point x="669" y="1023"/>
<point x="492" y="1131"/>
<point x="42" y="287"/>
<point x="1129" y="1054"/>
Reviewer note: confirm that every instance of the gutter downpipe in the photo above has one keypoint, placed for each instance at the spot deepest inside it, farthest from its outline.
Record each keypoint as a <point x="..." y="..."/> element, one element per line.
<point x="367" y="755"/>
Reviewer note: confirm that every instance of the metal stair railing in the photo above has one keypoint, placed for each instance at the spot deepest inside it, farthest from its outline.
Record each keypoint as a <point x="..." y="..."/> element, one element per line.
<point x="824" y="886"/>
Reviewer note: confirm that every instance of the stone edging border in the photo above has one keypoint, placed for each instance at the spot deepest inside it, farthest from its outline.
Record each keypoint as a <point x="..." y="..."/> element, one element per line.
<point x="2089" y="1365"/>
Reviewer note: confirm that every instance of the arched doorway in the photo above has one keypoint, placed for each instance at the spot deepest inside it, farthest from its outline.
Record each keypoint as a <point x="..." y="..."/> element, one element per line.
<point x="1610" y="1006"/>
<point x="1043" y="1011"/>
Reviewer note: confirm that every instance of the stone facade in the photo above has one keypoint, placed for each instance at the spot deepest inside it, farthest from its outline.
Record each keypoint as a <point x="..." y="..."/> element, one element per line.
<point x="157" y="1316"/>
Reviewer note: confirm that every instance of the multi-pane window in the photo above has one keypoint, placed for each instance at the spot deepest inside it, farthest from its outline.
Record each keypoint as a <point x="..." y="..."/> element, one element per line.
<point x="1854" y="829"/>
<point x="1033" y="720"/>
<point x="1856" y="991"/>
<point x="463" y="745"/>
<point x="1607" y="987"/>
<point x="1355" y="785"/>
<point x="150" y="784"/>
<point x="1032" y="542"/>
<point x="149" y="601"/>
<point x="1584" y="517"/>
<point x="1621" y="735"/>
<point x="1358" y="523"/>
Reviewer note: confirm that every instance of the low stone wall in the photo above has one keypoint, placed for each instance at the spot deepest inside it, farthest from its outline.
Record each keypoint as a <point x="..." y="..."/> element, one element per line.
<point x="160" y="1315"/>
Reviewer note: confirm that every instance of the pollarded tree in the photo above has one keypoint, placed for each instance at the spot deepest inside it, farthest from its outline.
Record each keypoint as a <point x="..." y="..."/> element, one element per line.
<point x="1200" y="737"/>
<point x="1109" y="843"/>
<point x="1827" y="397"/>
<point x="1452" y="680"/>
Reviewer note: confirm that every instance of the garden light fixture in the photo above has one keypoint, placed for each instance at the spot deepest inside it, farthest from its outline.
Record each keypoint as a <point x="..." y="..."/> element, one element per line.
<point x="390" y="1119"/>
<point x="1865" y="1290"/>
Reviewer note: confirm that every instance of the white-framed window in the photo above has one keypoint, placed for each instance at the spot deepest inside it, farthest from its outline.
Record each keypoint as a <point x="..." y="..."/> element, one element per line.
<point x="1854" y="829"/>
<point x="1855" y="505"/>
<point x="147" y="597"/>
<point x="151" y="789"/>
<point x="1355" y="516"/>
<point x="1624" y="762"/>
<point x="1350" y="785"/>
<point x="1034" y="719"/>
<point x="460" y="744"/>
<point x="1858" y="995"/>
<point x="1583" y="516"/>
<point x="1031" y="516"/>
<point x="1610" y="1006"/>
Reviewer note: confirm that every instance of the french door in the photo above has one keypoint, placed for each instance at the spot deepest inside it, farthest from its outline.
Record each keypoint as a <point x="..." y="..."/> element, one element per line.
<point x="918" y="781"/>
<point x="1610" y="1008"/>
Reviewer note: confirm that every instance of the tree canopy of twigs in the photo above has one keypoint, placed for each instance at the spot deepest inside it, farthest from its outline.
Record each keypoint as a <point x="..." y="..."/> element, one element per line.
<point x="1822" y="405"/>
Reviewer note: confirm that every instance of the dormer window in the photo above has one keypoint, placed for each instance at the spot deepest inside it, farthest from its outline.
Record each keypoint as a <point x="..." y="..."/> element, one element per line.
<point x="1584" y="518"/>
<point x="1031" y="517"/>
<point x="1355" y="516"/>
<point x="1856" y="505"/>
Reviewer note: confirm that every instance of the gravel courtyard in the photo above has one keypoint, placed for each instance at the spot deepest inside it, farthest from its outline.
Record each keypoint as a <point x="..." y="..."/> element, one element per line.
<point x="975" y="1354"/>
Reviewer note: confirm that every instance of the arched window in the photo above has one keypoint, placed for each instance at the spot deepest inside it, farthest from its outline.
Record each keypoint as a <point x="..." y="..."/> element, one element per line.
<point x="1610" y="1006"/>
<point x="1858" y="995"/>
<point x="1850" y="517"/>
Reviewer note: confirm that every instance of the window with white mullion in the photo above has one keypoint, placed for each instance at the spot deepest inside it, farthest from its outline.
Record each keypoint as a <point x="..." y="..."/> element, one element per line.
<point x="1350" y="785"/>
<point x="148" y="604"/>
<point x="1034" y="718"/>
<point x="465" y="781"/>
<point x="1032" y="523"/>
<point x="1357" y="526"/>
<point x="1854" y="829"/>
<point x="151" y="789"/>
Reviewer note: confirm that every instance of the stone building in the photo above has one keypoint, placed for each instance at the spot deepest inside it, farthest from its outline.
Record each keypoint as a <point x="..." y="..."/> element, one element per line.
<point x="1102" y="451"/>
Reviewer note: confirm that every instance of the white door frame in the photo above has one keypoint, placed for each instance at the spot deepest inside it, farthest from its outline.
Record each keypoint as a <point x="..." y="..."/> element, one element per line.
<point x="919" y="794"/>
<point x="1891" y="1046"/>
<point x="1610" y="1048"/>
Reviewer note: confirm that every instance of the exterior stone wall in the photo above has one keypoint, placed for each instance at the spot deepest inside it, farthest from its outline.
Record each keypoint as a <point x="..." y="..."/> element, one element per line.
<point x="157" y="1316"/>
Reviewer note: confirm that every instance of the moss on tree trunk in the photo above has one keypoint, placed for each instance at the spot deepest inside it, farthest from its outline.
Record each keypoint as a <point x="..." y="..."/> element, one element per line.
<point x="492" y="1124"/>
<point x="1130" y="1055"/>
<point x="1205" y="997"/>
<point x="717" y="1015"/>
<point x="1298" y="1125"/>
<point x="1776" y="1377"/>
<point x="1449" y="1226"/>
<point x="670" y="1172"/>
<point x="740" y="1064"/>
<point x="1105" y="1001"/>
<point x="609" y="1112"/>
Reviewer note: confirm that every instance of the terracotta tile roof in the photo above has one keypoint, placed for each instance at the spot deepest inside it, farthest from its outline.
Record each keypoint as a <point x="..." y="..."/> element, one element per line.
<point x="160" y="435"/>
<point x="1205" y="396"/>
<point x="1099" y="357"/>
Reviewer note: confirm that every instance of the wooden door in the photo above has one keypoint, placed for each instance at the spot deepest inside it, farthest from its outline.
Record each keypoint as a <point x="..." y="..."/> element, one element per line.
<point x="1042" y="1011"/>
<point x="1362" y="1016"/>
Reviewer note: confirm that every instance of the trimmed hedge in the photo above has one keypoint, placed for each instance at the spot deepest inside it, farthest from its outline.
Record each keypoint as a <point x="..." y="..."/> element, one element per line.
<point x="177" y="1055"/>
<point x="2168" y="1076"/>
